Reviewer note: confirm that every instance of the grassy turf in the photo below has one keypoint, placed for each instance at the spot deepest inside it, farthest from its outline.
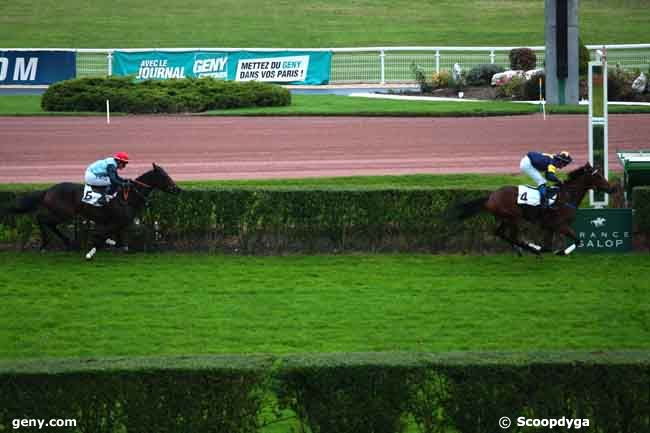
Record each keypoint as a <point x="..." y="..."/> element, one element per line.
<point x="336" y="23"/>
<point x="58" y="306"/>
<point x="337" y="105"/>
<point x="352" y="182"/>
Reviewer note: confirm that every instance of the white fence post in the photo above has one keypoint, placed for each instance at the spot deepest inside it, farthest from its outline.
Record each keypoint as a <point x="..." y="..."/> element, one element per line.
<point x="357" y="69"/>
<point x="382" y="57"/>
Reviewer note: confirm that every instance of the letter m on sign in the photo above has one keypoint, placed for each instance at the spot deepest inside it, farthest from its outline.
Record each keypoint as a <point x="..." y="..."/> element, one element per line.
<point x="24" y="72"/>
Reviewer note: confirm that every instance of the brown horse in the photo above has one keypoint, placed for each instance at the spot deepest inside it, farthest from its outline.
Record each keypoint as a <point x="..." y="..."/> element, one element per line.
<point x="62" y="202"/>
<point x="502" y="203"/>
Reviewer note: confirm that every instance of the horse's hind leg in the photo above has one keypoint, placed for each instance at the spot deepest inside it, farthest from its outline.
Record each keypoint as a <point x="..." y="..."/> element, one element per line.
<point x="50" y="222"/>
<point x="42" y="226"/>
<point x="509" y="232"/>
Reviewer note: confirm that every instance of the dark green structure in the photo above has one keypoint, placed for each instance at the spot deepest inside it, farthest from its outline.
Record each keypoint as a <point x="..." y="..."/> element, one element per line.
<point x="604" y="230"/>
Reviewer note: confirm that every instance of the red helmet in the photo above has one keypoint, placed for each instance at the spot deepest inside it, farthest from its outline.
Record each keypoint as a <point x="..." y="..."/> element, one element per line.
<point x="122" y="156"/>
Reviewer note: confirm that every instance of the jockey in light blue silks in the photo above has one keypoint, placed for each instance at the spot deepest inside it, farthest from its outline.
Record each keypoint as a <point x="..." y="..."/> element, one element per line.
<point x="103" y="175"/>
<point x="536" y="163"/>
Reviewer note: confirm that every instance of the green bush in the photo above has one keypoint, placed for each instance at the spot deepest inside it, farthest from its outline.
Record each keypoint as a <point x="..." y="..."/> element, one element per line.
<point x="482" y="75"/>
<point x="513" y="89"/>
<point x="207" y="394"/>
<point x="346" y="393"/>
<point x="522" y="59"/>
<point x="160" y="96"/>
<point x="440" y="80"/>
<point x="421" y="78"/>
<point x="583" y="58"/>
<point x="262" y="221"/>
<point x="641" y="199"/>
<point x="331" y="393"/>
<point x="530" y="88"/>
<point x="619" y="84"/>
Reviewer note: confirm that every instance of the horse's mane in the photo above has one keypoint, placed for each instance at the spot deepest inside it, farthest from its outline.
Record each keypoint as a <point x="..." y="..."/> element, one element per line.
<point x="145" y="174"/>
<point x="579" y="172"/>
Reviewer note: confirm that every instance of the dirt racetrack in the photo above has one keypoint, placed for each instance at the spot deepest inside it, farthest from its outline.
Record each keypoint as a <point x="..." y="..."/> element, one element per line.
<point x="52" y="149"/>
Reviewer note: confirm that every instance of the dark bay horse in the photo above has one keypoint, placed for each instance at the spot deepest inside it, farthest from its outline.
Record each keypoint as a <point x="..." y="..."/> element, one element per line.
<point x="502" y="203"/>
<point x="62" y="202"/>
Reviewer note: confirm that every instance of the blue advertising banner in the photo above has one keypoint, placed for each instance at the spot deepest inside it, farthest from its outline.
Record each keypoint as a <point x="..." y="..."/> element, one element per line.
<point x="289" y="67"/>
<point x="36" y="67"/>
<point x="161" y="65"/>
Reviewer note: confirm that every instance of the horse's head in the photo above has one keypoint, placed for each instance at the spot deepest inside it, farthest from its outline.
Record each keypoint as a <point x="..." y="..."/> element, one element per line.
<point x="159" y="179"/>
<point x="592" y="178"/>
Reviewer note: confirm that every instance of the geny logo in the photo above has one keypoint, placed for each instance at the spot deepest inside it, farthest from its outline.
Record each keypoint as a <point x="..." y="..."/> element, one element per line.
<point x="212" y="67"/>
<point x="598" y="222"/>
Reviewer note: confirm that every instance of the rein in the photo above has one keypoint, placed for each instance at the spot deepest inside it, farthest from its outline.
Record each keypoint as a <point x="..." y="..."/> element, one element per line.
<point x="142" y="184"/>
<point x="144" y="196"/>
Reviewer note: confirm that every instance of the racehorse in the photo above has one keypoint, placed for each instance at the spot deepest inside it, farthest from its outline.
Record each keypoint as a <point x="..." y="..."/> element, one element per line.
<point x="62" y="202"/>
<point x="502" y="203"/>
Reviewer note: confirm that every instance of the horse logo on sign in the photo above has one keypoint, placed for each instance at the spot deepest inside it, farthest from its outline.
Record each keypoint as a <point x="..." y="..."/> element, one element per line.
<point x="598" y="222"/>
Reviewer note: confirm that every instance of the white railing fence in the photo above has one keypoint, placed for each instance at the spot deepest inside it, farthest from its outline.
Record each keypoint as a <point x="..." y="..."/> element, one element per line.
<point x="380" y="65"/>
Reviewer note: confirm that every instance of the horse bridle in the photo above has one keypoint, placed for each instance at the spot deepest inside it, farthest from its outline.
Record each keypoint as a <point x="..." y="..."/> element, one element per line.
<point x="144" y="197"/>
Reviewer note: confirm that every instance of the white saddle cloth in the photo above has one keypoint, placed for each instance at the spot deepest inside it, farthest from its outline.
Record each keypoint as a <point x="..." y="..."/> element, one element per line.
<point x="92" y="197"/>
<point x="529" y="195"/>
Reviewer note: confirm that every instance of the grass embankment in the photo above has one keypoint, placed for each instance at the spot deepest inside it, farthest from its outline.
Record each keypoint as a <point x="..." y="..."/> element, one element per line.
<point x="337" y="105"/>
<point x="338" y="23"/>
<point x="56" y="305"/>
<point x="487" y="181"/>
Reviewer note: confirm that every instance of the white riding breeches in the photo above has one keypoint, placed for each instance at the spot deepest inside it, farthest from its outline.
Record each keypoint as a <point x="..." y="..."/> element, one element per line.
<point x="93" y="180"/>
<point x="527" y="168"/>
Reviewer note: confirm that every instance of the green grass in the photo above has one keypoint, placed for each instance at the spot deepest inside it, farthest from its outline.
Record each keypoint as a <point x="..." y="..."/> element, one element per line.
<point x="56" y="305"/>
<point x="337" y="23"/>
<point x="337" y="105"/>
<point x="350" y="182"/>
<point x="469" y="181"/>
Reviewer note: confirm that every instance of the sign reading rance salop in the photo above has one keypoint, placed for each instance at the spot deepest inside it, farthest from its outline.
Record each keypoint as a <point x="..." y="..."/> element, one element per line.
<point x="604" y="230"/>
<point x="288" y="67"/>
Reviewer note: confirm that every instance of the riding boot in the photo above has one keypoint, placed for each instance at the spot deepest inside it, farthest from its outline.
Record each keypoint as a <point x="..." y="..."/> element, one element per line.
<point x="543" y="198"/>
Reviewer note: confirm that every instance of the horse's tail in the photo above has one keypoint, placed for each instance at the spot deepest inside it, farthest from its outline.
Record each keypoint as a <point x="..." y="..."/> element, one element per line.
<point x="468" y="209"/>
<point x="27" y="203"/>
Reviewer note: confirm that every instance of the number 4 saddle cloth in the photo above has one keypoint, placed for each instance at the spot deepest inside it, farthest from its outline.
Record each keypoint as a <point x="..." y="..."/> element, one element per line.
<point x="529" y="195"/>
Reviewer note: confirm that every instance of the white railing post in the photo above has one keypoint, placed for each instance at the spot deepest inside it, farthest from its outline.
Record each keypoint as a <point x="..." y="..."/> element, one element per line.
<point x="492" y="56"/>
<point x="110" y="62"/>
<point x="437" y="61"/>
<point x="382" y="57"/>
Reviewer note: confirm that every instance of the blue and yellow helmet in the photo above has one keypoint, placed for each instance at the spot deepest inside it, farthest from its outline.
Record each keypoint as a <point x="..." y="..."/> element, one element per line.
<point x="563" y="157"/>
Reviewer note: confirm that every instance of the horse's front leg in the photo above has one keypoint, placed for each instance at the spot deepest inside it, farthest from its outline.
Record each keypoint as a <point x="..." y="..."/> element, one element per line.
<point x="100" y="239"/>
<point x="568" y="232"/>
<point x="549" y="235"/>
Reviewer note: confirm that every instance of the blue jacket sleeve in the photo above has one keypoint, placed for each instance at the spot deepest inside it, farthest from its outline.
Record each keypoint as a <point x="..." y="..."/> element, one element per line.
<point x="552" y="177"/>
<point x="114" y="177"/>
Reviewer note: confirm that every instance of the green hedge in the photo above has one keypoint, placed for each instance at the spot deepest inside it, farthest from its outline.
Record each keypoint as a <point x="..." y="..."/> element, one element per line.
<point x="262" y="221"/>
<point x="641" y="199"/>
<point x="332" y="393"/>
<point x="160" y="96"/>
<point x="254" y="221"/>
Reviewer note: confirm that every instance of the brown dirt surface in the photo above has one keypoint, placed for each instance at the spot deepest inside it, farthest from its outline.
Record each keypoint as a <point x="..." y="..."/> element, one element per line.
<point x="53" y="149"/>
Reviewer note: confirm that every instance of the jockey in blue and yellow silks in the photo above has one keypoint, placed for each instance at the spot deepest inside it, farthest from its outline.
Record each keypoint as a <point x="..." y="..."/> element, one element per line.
<point x="536" y="163"/>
